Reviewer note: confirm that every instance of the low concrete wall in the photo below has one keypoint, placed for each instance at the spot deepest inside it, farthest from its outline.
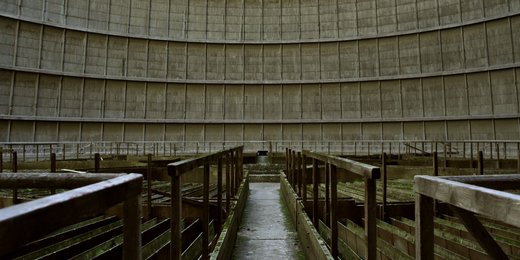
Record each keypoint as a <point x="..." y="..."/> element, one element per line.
<point x="313" y="245"/>
<point x="226" y="241"/>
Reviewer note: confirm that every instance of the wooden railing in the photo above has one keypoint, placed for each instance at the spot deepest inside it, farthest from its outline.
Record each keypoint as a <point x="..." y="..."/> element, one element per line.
<point x="233" y="159"/>
<point x="296" y="169"/>
<point x="22" y="223"/>
<point x="467" y="196"/>
<point x="35" y="151"/>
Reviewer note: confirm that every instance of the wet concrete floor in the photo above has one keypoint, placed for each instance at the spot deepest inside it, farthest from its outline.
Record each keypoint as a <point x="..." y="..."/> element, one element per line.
<point x="266" y="230"/>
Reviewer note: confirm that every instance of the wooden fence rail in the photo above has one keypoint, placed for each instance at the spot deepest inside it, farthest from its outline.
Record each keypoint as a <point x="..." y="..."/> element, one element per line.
<point x="232" y="159"/>
<point x="297" y="169"/>
<point x="25" y="222"/>
<point x="467" y="196"/>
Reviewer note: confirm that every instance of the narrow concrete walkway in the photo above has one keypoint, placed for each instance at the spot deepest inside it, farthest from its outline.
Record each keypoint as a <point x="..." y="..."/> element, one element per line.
<point x="266" y="230"/>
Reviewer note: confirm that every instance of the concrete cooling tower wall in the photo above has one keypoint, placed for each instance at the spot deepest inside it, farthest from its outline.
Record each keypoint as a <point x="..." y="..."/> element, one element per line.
<point x="253" y="70"/>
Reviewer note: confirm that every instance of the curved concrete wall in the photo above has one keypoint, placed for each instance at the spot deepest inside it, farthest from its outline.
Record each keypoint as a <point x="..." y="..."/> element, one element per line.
<point x="259" y="70"/>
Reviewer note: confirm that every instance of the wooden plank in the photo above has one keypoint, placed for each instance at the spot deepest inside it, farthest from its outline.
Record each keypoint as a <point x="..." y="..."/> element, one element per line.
<point x="132" y="228"/>
<point x="219" y="196"/>
<point x="205" y="214"/>
<point x="480" y="233"/>
<point x="149" y="185"/>
<point x="424" y="227"/>
<point x="365" y="170"/>
<point x="370" y="219"/>
<point x="385" y="180"/>
<point x="315" y="189"/>
<point x="187" y="165"/>
<point x="481" y="163"/>
<point x="326" y="216"/>
<point x="304" y="180"/>
<point x="52" y="180"/>
<point x="298" y="175"/>
<point x="228" y="186"/>
<point x="25" y="222"/>
<point x="333" y="211"/>
<point x="176" y="213"/>
<point x="498" y="205"/>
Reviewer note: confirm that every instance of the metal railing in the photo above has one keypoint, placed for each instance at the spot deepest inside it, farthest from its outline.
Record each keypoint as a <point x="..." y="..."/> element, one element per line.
<point x="25" y="222"/>
<point x="296" y="169"/>
<point x="35" y="151"/>
<point x="466" y="196"/>
<point x="232" y="158"/>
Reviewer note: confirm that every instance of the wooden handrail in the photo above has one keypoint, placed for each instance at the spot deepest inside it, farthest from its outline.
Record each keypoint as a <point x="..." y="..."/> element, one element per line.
<point x="465" y="199"/>
<point x="233" y="166"/>
<point x="363" y="169"/>
<point x="22" y="223"/>
<point x="332" y="163"/>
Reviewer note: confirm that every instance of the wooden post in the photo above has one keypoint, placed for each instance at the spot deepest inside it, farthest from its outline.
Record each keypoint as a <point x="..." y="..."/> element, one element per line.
<point x="298" y="176"/>
<point x="53" y="162"/>
<point x="287" y="162"/>
<point x="232" y="173"/>
<point x="480" y="163"/>
<point x="327" y="194"/>
<point x="423" y="227"/>
<point x="97" y="159"/>
<point x="63" y="151"/>
<point x="471" y="155"/>
<point x="435" y="173"/>
<point x="205" y="214"/>
<point x="53" y="168"/>
<point x="445" y="163"/>
<point x="517" y="161"/>
<point x="2" y="159"/>
<point x="23" y="153"/>
<point x="132" y="228"/>
<point x="219" y="196"/>
<point x="236" y="171"/>
<point x="176" y="214"/>
<point x="370" y="219"/>
<point x="385" y="180"/>
<point x="228" y="186"/>
<point x="289" y="166"/>
<point x="333" y="209"/>
<point x="315" y="183"/>
<point x="241" y="164"/>
<point x="498" y="155"/>
<point x="304" y="179"/>
<point x="149" y="185"/>
<point x="293" y="172"/>
<point x="435" y="164"/>
<point x="15" y="169"/>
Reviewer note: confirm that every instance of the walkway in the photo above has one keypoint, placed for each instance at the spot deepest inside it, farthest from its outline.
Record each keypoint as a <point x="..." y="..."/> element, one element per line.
<point x="266" y="231"/>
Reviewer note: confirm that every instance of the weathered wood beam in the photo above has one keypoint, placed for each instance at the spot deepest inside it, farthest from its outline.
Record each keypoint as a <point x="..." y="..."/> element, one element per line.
<point x="333" y="211"/>
<point x="187" y="165"/>
<point x="52" y="180"/>
<point x="25" y="222"/>
<point x="479" y="232"/>
<point x="370" y="219"/>
<point x="498" y="205"/>
<point x="424" y="227"/>
<point x="365" y="170"/>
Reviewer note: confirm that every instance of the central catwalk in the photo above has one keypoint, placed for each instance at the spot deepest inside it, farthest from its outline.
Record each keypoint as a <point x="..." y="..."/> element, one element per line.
<point x="266" y="230"/>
